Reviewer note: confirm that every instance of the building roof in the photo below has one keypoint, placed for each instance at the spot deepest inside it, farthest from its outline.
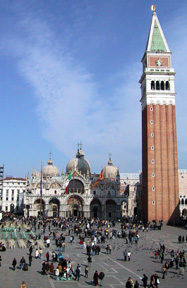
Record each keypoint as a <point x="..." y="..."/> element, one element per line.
<point x="50" y="170"/>
<point x="156" y="39"/>
<point x="110" y="171"/>
<point x="14" y="178"/>
<point x="79" y="163"/>
<point x="129" y="176"/>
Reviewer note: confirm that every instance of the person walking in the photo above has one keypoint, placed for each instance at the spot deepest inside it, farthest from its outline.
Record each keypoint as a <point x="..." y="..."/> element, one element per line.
<point x="77" y="272"/>
<point x="86" y="271"/>
<point x="30" y="250"/>
<point x="89" y="260"/>
<point x="95" y="278"/>
<point x="163" y="272"/>
<point x="22" y="262"/>
<point x="23" y="285"/>
<point x="51" y="268"/>
<point x="57" y="273"/>
<point x="47" y="256"/>
<point x="30" y="259"/>
<point x="63" y="246"/>
<point x="161" y="257"/>
<point x="101" y="277"/>
<point x="129" y="256"/>
<point x="144" y="279"/>
<point x="40" y="253"/>
<point x="36" y="253"/>
<point x="14" y="263"/>
<point x="43" y="267"/>
<point x="125" y="255"/>
<point x="47" y="268"/>
<point x="136" y="284"/>
<point x="129" y="283"/>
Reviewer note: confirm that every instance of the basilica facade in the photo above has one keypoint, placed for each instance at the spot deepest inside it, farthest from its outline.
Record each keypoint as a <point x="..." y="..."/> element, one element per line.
<point x="74" y="193"/>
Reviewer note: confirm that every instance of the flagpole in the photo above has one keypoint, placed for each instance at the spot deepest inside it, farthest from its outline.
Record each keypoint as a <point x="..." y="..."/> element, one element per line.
<point x="41" y="190"/>
<point x="73" y="193"/>
<point x="104" y="198"/>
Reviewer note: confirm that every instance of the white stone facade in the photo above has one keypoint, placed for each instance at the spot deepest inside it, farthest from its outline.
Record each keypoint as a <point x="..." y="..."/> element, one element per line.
<point x="183" y="192"/>
<point x="11" y="199"/>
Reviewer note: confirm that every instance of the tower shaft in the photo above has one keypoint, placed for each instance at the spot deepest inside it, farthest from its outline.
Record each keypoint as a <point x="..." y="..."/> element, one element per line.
<point x="160" y="190"/>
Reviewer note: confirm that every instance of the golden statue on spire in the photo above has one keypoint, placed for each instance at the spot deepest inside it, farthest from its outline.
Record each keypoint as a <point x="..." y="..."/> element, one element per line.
<point x="153" y="8"/>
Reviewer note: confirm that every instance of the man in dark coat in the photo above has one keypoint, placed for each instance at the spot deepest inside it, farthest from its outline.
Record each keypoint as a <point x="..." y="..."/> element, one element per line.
<point x="128" y="284"/>
<point x="14" y="263"/>
<point x="144" y="279"/>
<point x="30" y="259"/>
<point x="101" y="276"/>
<point x="43" y="267"/>
<point x="30" y="250"/>
<point x="77" y="272"/>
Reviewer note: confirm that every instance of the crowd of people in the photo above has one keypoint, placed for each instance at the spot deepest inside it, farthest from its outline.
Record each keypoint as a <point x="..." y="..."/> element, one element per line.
<point x="94" y="236"/>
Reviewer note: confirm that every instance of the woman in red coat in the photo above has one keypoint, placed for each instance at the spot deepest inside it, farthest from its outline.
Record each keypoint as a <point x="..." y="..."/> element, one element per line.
<point x="95" y="278"/>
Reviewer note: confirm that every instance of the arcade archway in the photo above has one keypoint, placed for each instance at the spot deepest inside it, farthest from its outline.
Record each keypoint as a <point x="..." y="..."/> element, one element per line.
<point x="110" y="209"/>
<point x="75" y="206"/>
<point x="96" y="209"/>
<point x="54" y="207"/>
<point x="39" y="206"/>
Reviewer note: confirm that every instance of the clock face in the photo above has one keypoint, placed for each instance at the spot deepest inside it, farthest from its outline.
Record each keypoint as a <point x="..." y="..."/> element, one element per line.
<point x="158" y="61"/>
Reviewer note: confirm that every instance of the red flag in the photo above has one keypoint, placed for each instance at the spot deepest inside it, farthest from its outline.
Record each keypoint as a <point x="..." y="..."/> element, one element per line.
<point x="99" y="179"/>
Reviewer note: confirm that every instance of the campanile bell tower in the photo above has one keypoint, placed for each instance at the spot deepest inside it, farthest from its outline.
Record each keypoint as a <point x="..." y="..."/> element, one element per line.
<point x="160" y="191"/>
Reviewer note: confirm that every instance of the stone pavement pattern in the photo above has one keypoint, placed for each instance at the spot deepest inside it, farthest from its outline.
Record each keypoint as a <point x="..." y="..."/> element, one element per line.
<point x="115" y="268"/>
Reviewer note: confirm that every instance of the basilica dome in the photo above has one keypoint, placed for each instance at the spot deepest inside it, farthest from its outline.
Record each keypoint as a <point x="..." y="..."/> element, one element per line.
<point x="80" y="164"/>
<point x="50" y="170"/>
<point x="110" y="171"/>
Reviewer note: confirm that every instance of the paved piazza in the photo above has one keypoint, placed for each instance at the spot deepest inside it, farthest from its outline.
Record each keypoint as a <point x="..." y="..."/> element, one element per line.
<point x="113" y="265"/>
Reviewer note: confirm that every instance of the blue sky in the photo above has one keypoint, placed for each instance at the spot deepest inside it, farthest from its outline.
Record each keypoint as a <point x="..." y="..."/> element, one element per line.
<point x="69" y="73"/>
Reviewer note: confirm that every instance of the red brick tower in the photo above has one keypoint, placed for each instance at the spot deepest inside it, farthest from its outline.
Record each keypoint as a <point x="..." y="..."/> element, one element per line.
<point x="160" y="191"/>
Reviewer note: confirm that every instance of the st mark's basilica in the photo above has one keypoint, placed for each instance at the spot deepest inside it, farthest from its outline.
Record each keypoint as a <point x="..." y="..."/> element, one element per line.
<point x="77" y="192"/>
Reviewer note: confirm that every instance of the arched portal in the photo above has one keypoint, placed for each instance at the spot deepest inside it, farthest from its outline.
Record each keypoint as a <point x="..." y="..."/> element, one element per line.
<point x="27" y="207"/>
<point x="110" y="209"/>
<point x="124" y="208"/>
<point x="39" y="206"/>
<point x="11" y="208"/>
<point x="135" y="211"/>
<point x="54" y="207"/>
<point x="95" y="209"/>
<point x="184" y="212"/>
<point x="75" y="206"/>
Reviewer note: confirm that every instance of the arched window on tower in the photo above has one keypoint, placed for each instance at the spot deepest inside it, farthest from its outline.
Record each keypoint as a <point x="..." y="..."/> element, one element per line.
<point x="167" y="85"/>
<point x="185" y="201"/>
<point x="152" y="85"/>
<point x="162" y="85"/>
<point x="157" y="85"/>
<point x="182" y="201"/>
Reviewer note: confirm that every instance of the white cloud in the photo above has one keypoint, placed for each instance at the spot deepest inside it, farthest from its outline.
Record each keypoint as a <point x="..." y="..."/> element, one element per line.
<point x="71" y="107"/>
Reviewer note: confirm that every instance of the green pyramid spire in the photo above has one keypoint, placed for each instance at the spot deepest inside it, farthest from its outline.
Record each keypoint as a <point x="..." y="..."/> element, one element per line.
<point x="157" y="42"/>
